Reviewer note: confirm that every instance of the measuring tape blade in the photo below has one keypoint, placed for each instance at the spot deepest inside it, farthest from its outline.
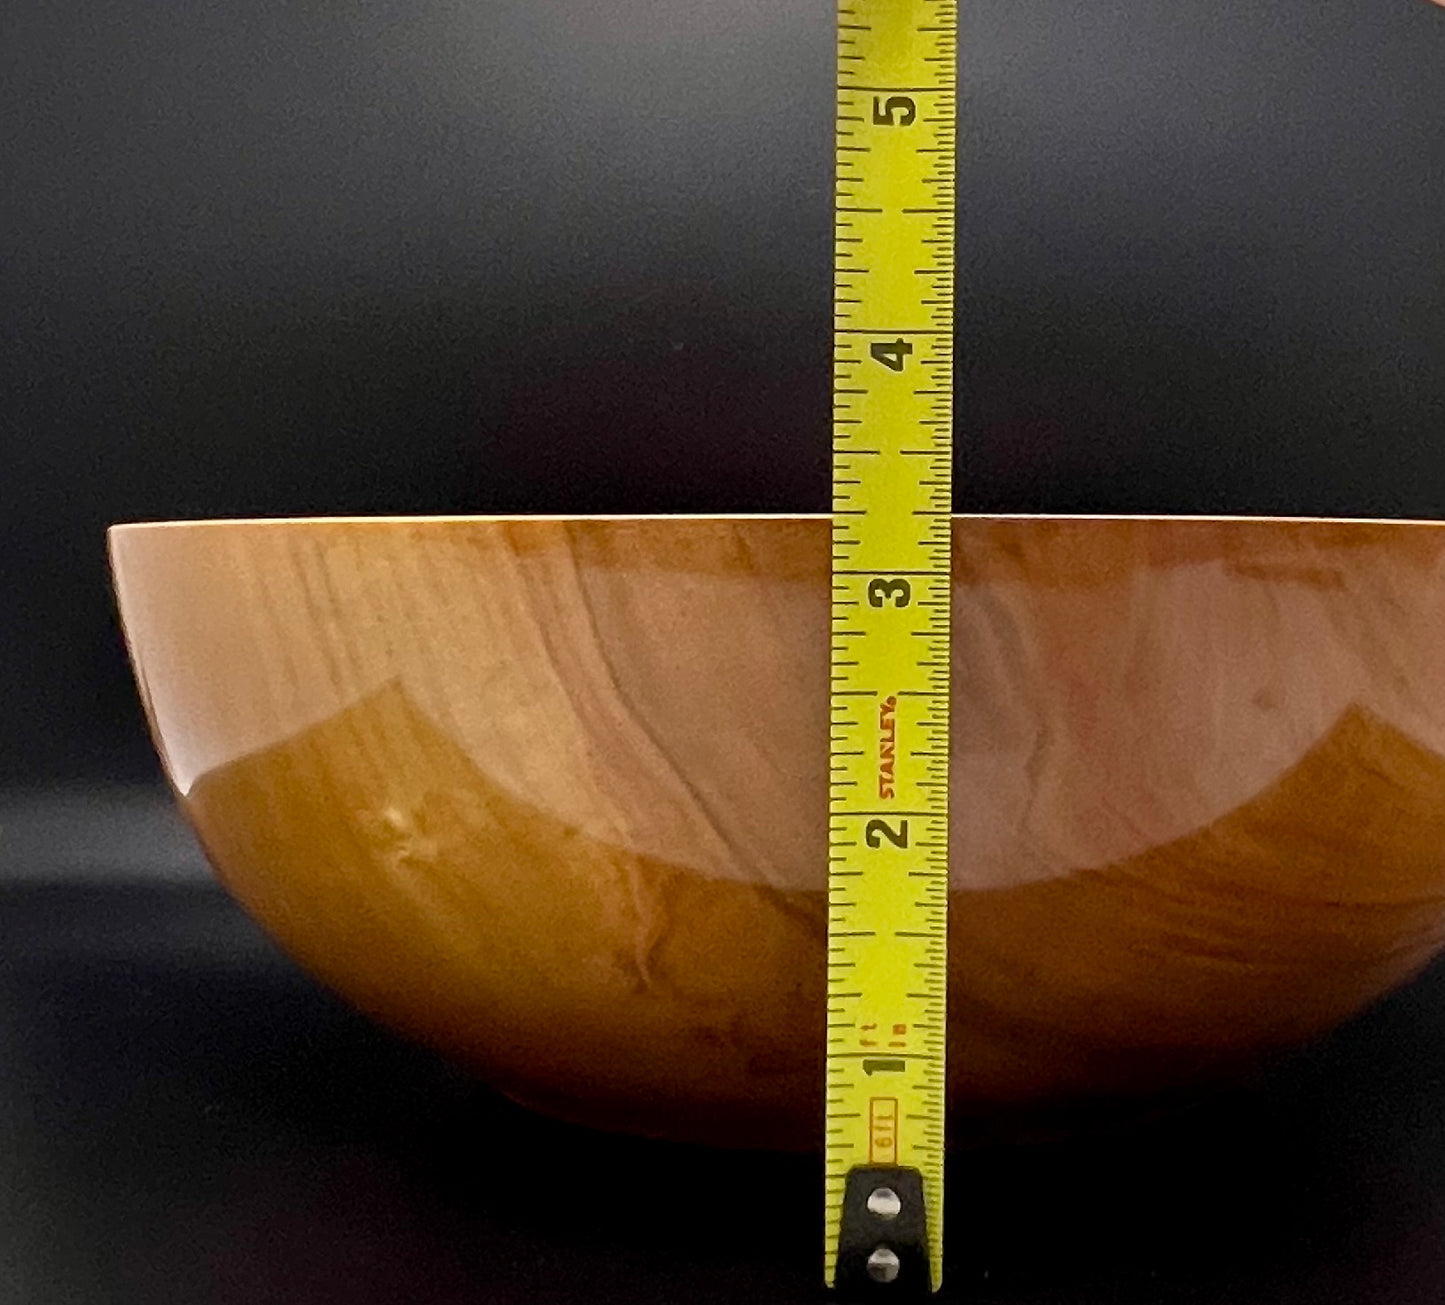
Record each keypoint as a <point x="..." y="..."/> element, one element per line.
<point x="892" y="523"/>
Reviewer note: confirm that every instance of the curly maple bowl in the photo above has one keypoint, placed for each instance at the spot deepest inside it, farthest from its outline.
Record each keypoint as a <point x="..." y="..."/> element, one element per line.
<point x="549" y="794"/>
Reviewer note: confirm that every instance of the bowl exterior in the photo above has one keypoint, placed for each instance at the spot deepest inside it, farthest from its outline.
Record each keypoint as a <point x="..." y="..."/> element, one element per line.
<point x="551" y="795"/>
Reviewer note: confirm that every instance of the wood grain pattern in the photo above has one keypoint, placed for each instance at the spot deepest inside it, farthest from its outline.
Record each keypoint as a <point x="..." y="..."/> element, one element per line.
<point x="550" y="794"/>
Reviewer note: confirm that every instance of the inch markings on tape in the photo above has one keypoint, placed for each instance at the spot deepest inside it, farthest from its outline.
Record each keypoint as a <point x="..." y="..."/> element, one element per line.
<point x="896" y="136"/>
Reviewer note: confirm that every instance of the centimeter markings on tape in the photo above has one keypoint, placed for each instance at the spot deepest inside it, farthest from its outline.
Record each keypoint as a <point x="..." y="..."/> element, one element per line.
<point x="892" y="501"/>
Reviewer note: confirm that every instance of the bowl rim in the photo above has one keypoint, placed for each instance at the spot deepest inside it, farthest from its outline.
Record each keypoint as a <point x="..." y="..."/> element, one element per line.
<point x="384" y="521"/>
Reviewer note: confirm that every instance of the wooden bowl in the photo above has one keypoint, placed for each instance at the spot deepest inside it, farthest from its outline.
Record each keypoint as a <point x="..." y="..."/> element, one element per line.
<point x="550" y="794"/>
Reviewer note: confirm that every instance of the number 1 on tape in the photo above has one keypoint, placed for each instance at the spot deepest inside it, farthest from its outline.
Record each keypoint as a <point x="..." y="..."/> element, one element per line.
<point x="892" y="503"/>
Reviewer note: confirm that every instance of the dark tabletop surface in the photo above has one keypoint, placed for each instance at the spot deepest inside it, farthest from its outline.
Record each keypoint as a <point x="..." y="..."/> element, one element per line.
<point x="186" y="1117"/>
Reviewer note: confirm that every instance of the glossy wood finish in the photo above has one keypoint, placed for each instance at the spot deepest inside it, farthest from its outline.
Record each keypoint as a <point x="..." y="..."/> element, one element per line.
<point x="550" y="794"/>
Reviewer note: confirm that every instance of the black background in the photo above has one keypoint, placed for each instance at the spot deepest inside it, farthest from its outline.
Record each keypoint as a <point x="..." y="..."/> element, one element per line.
<point x="556" y="255"/>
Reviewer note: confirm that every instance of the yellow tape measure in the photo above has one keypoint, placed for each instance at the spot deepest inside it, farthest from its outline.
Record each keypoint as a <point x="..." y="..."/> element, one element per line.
<point x="892" y="482"/>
